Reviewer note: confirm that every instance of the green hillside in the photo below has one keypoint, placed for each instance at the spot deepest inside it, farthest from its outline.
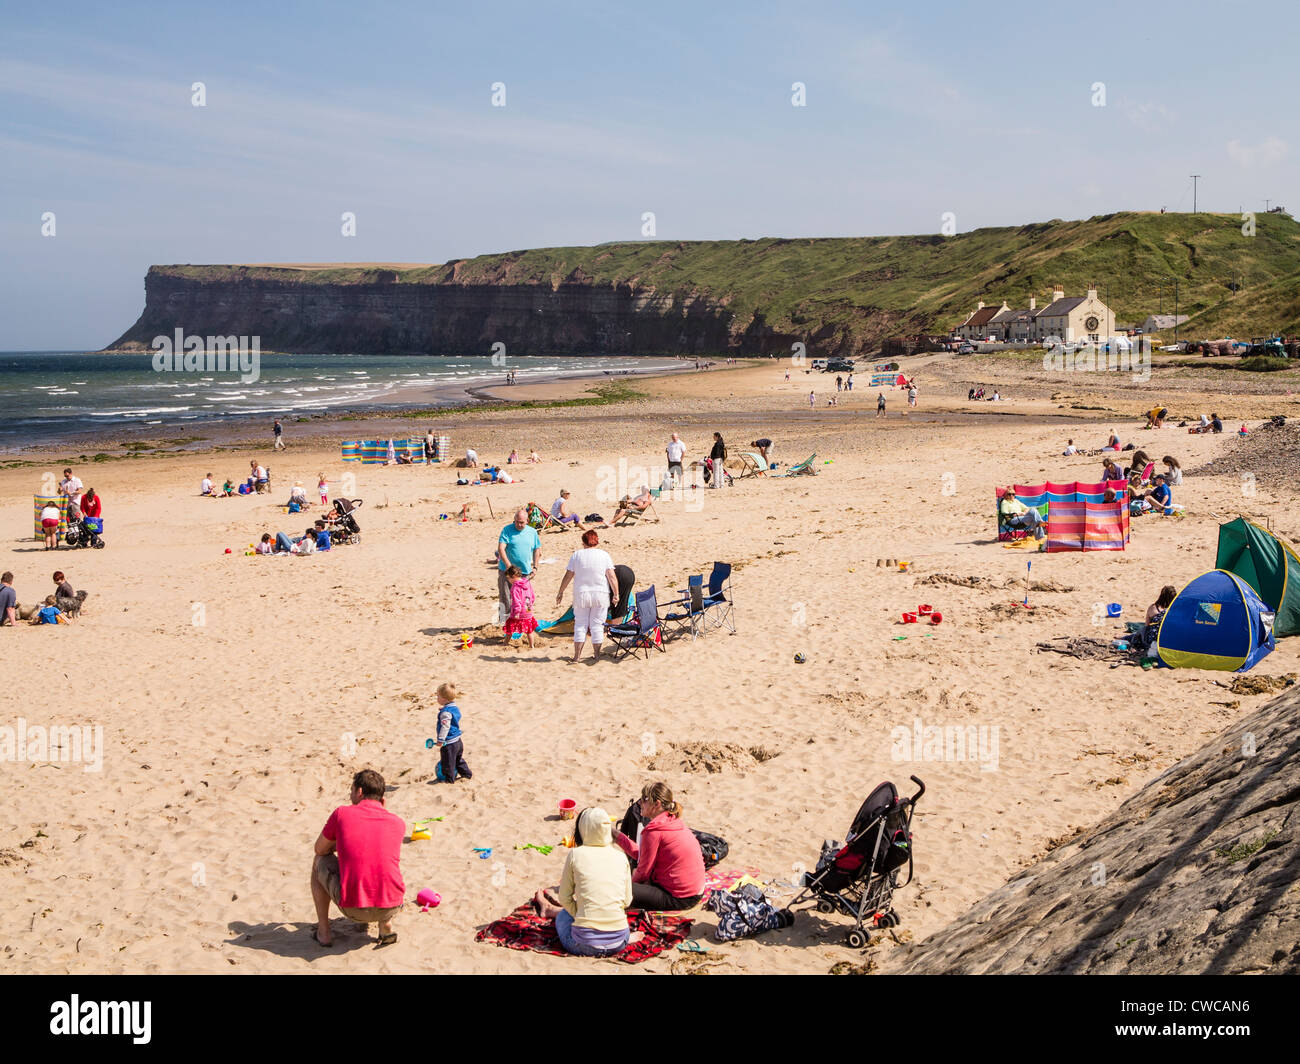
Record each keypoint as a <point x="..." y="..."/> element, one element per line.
<point x="865" y="288"/>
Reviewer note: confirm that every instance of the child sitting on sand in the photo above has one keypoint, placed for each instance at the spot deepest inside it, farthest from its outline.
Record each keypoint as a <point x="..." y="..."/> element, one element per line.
<point x="51" y="614"/>
<point x="228" y="489"/>
<point x="452" y="750"/>
<point x="522" y="597"/>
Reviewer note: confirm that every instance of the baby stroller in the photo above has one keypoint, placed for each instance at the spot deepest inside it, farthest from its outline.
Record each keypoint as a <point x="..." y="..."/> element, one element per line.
<point x="858" y="878"/>
<point x="84" y="532"/>
<point x="344" y="527"/>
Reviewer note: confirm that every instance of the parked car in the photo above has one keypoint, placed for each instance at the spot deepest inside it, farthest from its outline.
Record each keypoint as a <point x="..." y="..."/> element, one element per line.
<point x="966" y="349"/>
<point x="818" y="365"/>
<point x="839" y="365"/>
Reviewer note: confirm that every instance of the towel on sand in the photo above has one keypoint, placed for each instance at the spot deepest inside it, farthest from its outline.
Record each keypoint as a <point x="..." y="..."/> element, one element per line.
<point x="524" y="929"/>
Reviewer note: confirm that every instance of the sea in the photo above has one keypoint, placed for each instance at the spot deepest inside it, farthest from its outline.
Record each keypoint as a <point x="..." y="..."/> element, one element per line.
<point x="46" y="396"/>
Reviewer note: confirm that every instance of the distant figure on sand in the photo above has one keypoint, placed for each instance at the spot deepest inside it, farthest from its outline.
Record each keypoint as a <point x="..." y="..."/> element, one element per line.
<point x="358" y="862"/>
<point x="676" y="451"/>
<point x="880" y="404"/>
<point x="812" y="400"/>
<point x="1070" y="448"/>
<point x="278" y="431"/>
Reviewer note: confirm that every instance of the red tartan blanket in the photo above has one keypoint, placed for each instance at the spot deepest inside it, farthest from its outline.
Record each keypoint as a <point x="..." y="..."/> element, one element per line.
<point x="524" y="929"/>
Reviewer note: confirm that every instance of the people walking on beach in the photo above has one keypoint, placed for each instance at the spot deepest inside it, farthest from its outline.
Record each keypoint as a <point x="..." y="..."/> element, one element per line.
<point x="812" y="400"/>
<point x="911" y="396"/>
<point x="848" y="384"/>
<point x="450" y="739"/>
<point x="880" y="404"/>
<point x="518" y="545"/>
<point x="357" y="862"/>
<point x="278" y="429"/>
<point x="839" y="384"/>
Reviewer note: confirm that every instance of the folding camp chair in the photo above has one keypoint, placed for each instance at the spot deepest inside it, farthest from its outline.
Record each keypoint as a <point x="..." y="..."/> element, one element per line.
<point x="632" y="516"/>
<point x="718" y="603"/>
<point x="687" y="612"/>
<point x="805" y="467"/>
<point x="543" y="521"/>
<point x="752" y="465"/>
<point x="644" y="633"/>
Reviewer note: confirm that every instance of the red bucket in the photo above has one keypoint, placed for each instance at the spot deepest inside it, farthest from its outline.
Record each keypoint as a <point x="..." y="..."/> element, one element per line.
<point x="909" y="618"/>
<point x="936" y="617"/>
<point x="924" y="610"/>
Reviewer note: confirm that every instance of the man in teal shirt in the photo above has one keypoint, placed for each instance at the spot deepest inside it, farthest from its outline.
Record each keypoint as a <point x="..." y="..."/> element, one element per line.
<point x="519" y="545"/>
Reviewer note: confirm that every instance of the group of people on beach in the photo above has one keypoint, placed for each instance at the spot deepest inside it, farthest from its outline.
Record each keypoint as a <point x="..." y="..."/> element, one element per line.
<point x="651" y="861"/>
<point x="75" y="503"/>
<point x="59" y="608"/>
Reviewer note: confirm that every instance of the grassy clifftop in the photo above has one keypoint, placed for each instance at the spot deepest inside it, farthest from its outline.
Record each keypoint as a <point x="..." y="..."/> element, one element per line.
<point x="869" y="287"/>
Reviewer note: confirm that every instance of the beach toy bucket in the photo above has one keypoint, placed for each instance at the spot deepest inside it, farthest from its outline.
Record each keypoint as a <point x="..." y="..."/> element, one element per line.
<point x="936" y="617"/>
<point x="1114" y="609"/>
<point x="428" y="899"/>
<point x="924" y="609"/>
<point x="909" y="618"/>
<point x="568" y="808"/>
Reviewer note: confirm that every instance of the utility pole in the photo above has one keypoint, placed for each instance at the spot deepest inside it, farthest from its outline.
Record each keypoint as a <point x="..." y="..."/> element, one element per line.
<point x="1195" y="178"/>
<point x="1266" y="203"/>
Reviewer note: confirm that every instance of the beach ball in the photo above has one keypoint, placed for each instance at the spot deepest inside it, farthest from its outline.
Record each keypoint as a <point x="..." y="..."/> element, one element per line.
<point x="227" y="550"/>
<point x="800" y="657"/>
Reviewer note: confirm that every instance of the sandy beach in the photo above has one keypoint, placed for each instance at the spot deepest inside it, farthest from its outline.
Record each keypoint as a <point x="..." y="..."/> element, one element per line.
<point x="237" y="695"/>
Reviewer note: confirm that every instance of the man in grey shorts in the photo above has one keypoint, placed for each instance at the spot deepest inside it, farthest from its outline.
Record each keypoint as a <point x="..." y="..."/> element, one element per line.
<point x="357" y="862"/>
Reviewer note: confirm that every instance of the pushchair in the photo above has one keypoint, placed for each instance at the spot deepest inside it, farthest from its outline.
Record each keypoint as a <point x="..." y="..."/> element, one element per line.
<point x="859" y="878"/>
<point x="343" y="527"/>
<point x="84" y="532"/>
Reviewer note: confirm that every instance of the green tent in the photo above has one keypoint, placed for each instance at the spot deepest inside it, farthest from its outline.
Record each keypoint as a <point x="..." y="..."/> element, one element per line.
<point x="1268" y="564"/>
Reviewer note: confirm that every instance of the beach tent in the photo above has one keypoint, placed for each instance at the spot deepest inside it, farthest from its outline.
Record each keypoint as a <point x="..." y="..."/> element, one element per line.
<point x="1215" y="622"/>
<point x="1268" y="564"/>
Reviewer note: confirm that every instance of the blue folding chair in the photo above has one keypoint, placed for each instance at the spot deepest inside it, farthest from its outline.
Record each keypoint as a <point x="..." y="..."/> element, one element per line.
<point x="687" y="611"/>
<point x="718" y="605"/>
<point x="644" y="633"/>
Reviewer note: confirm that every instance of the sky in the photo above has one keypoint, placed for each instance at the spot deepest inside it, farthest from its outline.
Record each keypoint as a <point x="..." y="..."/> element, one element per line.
<point x="910" y="113"/>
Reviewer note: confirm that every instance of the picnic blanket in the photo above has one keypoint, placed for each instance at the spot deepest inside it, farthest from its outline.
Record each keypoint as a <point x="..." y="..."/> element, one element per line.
<point x="524" y="929"/>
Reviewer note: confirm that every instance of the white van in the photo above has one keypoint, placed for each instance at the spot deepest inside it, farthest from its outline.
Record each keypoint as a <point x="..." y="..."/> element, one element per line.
<point x="819" y="365"/>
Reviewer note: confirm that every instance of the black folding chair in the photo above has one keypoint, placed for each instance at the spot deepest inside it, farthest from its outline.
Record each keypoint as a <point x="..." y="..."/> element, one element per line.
<point x="687" y="612"/>
<point x="718" y="604"/>
<point x="644" y="633"/>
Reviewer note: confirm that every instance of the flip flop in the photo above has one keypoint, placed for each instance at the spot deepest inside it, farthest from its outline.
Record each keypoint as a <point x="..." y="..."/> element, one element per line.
<point x="386" y="940"/>
<point x="323" y="945"/>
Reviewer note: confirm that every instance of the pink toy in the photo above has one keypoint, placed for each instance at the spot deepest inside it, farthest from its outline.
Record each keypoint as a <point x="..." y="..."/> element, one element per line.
<point x="428" y="899"/>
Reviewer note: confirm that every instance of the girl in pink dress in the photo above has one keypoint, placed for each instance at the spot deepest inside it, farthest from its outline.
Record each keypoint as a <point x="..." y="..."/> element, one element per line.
<point x="521" y="617"/>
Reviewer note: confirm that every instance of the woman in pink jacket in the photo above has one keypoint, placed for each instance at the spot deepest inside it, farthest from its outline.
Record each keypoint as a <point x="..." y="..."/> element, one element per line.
<point x="669" y="873"/>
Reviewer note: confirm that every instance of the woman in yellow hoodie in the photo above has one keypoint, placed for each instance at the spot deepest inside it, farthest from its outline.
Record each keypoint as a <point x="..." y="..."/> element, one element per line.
<point x="595" y="891"/>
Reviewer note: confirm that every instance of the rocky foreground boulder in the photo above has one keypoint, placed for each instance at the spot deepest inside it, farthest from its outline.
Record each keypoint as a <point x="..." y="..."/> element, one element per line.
<point x="1199" y="872"/>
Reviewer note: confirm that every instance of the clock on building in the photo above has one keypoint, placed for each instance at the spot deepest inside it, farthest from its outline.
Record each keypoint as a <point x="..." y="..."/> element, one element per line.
<point x="1091" y="323"/>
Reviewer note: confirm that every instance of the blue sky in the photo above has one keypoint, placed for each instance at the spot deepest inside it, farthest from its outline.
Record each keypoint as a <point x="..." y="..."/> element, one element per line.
<point x="385" y="110"/>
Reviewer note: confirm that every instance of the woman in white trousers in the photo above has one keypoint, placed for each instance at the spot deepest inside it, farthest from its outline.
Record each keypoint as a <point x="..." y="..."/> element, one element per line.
<point x="591" y="570"/>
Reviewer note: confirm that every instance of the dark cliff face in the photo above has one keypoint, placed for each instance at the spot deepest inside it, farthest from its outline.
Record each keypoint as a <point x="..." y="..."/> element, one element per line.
<point x="443" y="319"/>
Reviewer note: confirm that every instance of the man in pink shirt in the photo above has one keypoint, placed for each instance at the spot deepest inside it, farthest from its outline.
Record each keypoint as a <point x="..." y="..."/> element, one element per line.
<point x="357" y="862"/>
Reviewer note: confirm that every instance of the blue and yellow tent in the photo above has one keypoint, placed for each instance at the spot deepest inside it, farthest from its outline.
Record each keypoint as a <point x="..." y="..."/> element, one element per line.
<point x="1216" y="622"/>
